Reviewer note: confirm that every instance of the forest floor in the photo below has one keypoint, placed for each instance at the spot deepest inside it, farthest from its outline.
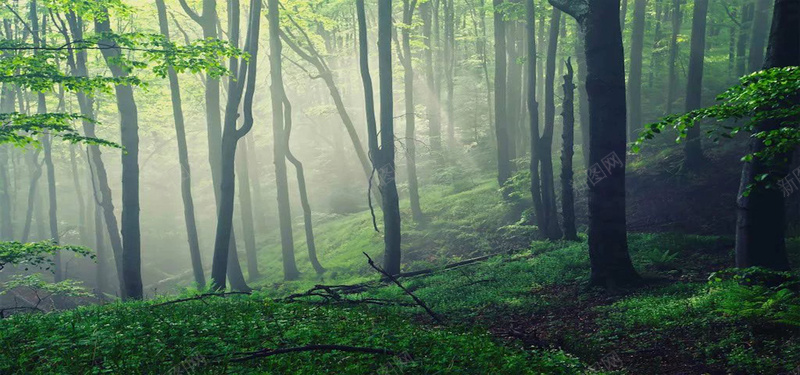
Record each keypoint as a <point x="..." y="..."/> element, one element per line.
<point x="527" y="309"/>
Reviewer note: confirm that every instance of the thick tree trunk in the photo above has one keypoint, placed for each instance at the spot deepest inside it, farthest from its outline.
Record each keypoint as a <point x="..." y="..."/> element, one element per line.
<point x="551" y="228"/>
<point x="605" y="83"/>
<point x="583" y="97"/>
<point x="693" y="150"/>
<point x="129" y="139"/>
<point x="672" y="80"/>
<point x="635" y="122"/>
<point x="500" y="120"/>
<point x="761" y="221"/>
<point x="567" y="192"/>
<point x="183" y="159"/>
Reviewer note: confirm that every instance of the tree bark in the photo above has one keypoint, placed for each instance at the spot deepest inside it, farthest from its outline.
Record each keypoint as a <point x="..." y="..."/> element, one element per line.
<point x="635" y="122"/>
<point x="745" y="23"/>
<point x="129" y="139"/>
<point x="410" y="115"/>
<point x="672" y="83"/>
<point x="551" y="228"/>
<point x="533" y="114"/>
<point x="567" y="193"/>
<point x="611" y="265"/>
<point x="183" y="159"/>
<point x="290" y="271"/>
<point x="500" y="121"/>
<point x="434" y="119"/>
<point x="761" y="214"/>
<point x="758" y="36"/>
<point x="693" y="150"/>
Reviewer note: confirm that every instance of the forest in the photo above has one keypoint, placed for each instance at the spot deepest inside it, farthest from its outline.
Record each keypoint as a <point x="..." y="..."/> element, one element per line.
<point x="400" y="187"/>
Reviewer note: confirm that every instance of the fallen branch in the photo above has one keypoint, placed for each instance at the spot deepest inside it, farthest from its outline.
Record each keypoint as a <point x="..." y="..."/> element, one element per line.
<point x="246" y="356"/>
<point x="393" y="279"/>
<point x="200" y="297"/>
<point x="449" y="266"/>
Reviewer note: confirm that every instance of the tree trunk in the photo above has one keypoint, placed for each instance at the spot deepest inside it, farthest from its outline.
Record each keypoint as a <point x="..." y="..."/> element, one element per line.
<point x="35" y="169"/>
<point x="246" y="204"/>
<point x="290" y="271"/>
<point x="76" y="181"/>
<point x="449" y="67"/>
<point x="761" y="215"/>
<point x="95" y="162"/>
<point x="226" y="259"/>
<point x="672" y="85"/>
<point x="635" y="122"/>
<point x="533" y="114"/>
<point x="758" y="36"/>
<point x="434" y="119"/>
<point x="410" y="115"/>
<point x="129" y="139"/>
<point x="551" y="228"/>
<point x="514" y="87"/>
<point x="183" y="158"/>
<point x="745" y="23"/>
<point x="301" y="184"/>
<point x="583" y="97"/>
<point x="500" y="123"/>
<point x="605" y="83"/>
<point x="693" y="150"/>
<point x="567" y="192"/>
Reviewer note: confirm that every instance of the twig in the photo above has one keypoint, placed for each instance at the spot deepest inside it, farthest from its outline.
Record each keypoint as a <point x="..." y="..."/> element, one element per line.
<point x="308" y="348"/>
<point x="449" y="266"/>
<point x="393" y="279"/>
<point x="200" y="297"/>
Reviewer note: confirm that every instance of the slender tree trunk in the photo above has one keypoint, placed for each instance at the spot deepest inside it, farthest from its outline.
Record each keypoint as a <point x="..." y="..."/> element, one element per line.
<point x="567" y="192"/>
<point x="533" y="114"/>
<point x="745" y="23"/>
<point x="183" y="158"/>
<point x="500" y="120"/>
<point x="449" y="66"/>
<point x="635" y="122"/>
<point x="35" y="169"/>
<point x="290" y="271"/>
<point x="758" y="36"/>
<point x="246" y="204"/>
<point x="226" y="260"/>
<point x="96" y="164"/>
<point x="551" y="228"/>
<point x="301" y="184"/>
<point x="434" y="120"/>
<point x="129" y="139"/>
<point x="514" y="87"/>
<point x="6" y="222"/>
<point x="672" y="86"/>
<point x="76" y="180"/>
<point x="605" y="83"/>
<point x="410" y="115"/>
<point x="761" y="221"/>
<point x="693" y="150"/>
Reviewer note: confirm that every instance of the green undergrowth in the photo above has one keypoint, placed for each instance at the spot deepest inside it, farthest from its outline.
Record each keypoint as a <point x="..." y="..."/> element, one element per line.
<point x="203" y="337"/>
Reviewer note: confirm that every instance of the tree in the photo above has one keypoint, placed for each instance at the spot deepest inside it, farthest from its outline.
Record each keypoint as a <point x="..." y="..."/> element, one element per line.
<point x="382" y="154"/>
<point x="605" y="85"/>
<point x="758" y="35"/>
<point x="533" y="114"/>
<point x="129" y="139"/>
<point x="760" y="224"/>
<point x="245" y="74"/>
<point x="500" y="121"/>
<point x="693" y="150"/>
<point x="635" y="75"/>
<point x="672" y="85"/>
<point x="550" y="227"/>
<point x="183" y="158"/>
<point x="290" y="271"/>
<point x="408" y="86"/>
<point x="426" y="10"/>
<point x="567" y="193"/>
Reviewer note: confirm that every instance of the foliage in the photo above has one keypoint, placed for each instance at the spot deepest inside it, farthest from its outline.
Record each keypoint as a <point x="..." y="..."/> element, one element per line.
<point x="37" y="254"/>
<point x="22" y="130"/>
<point x="770" y="94"/>
<point x="35" y="282"/>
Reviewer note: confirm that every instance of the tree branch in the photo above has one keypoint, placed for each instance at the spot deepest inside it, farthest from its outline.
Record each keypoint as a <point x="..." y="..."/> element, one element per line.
<point x="415" y="298"/>
<point x="191" y="13"/>
<point x="575" y="8"/>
